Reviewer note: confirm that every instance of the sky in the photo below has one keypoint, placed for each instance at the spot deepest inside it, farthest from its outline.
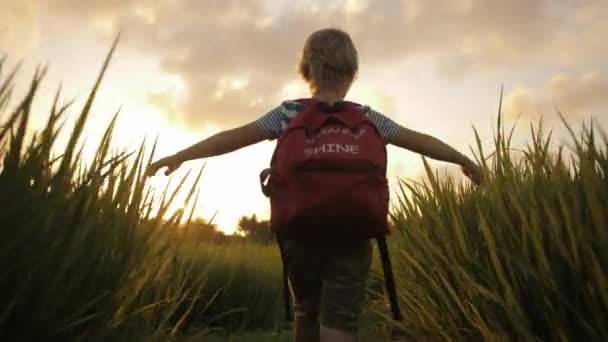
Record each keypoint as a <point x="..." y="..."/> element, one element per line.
<point x="185" y="69"/>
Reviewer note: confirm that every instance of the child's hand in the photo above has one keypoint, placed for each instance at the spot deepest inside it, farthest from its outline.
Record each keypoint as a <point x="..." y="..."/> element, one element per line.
<point x="473" y="172"/>
<point x="172" y="163"/>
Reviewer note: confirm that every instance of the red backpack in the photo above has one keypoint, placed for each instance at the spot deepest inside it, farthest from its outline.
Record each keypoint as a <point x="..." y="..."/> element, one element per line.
<point x="327" y="182"/>
<point x="327" y="179"/>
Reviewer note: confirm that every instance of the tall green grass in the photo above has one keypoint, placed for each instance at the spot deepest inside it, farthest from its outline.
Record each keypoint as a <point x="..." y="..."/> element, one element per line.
<point x="72" y="241"/>
<point x="523" y="257"/>
<point x="85" y="255"/>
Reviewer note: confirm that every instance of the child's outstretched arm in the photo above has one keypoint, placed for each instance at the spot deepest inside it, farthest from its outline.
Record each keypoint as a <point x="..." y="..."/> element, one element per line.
<point x="218" y="144"/>
<point x="436" y="149"/>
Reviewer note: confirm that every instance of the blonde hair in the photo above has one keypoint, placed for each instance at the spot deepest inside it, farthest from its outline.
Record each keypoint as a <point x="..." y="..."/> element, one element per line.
<point x="329" y="60"/>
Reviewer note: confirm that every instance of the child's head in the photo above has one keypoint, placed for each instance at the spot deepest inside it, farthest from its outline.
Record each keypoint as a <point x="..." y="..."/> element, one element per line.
<point x="329" y="61"/>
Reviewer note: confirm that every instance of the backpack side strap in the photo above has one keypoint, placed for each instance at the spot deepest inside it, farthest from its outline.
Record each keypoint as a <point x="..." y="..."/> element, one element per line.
<point x="389" y="280"/>
<point x="286" y="292"/>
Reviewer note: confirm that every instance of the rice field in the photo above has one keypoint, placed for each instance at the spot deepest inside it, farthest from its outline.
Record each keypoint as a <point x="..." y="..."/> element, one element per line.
<point x="85" y="256"/>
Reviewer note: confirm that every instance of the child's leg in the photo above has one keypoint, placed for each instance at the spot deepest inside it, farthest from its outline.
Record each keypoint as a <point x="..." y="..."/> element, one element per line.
<point x="306" y="325"/>
<point x="343" y="295"/>
<point x="304" y="265"/>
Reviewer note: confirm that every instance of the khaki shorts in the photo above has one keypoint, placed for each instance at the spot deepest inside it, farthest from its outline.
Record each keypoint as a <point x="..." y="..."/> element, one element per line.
<point x="329" y="282"/>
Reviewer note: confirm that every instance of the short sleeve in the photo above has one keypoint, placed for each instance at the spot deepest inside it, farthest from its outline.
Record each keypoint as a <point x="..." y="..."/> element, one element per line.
<point x="275" y="121"/>
<point x="387" y="127"/>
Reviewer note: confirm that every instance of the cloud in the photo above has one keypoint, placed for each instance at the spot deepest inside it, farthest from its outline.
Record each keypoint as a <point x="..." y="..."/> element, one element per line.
<point x="573" y="96"/>
<point x="211" y="44"/>
<point x="166" y="101"/>
<point x="485" y="31"/>
<point x="18" y="28"/>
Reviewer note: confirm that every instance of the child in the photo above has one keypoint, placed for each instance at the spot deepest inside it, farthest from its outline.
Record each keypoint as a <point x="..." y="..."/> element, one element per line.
<point x="335" y="295"/>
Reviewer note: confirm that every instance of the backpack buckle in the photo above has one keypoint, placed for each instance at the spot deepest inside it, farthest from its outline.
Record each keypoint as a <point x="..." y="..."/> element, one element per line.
<point x="264" y="182"/>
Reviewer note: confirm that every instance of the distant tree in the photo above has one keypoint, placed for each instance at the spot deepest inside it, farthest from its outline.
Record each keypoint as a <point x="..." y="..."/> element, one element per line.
<point x="255" y="230"/>
<point x="201" y="229"/>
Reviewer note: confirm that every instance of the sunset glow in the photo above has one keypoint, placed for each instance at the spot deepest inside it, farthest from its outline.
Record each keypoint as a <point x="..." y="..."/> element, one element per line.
<point x="187" y="69"/>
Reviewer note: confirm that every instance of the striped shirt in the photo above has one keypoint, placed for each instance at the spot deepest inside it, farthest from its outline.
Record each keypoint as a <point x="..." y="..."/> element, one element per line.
<point x="276" y="121"/>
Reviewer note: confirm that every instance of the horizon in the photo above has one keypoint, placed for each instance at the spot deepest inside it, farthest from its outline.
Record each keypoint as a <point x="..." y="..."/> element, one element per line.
<point x="185" y="70"/>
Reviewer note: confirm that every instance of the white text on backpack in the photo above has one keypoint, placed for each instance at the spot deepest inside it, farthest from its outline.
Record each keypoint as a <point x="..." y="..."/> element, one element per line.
<point x="332" y="148"/>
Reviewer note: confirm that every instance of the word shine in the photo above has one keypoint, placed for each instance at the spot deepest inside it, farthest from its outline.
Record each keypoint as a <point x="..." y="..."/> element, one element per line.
<point x="332" y="148"/>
